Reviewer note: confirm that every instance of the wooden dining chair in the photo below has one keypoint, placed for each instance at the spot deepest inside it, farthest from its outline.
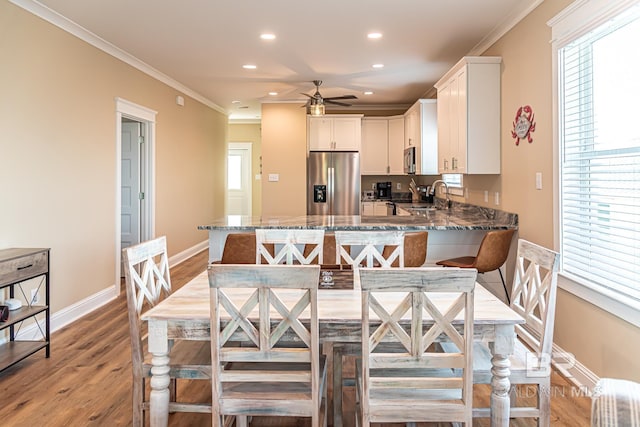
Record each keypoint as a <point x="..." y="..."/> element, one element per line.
<point x="371" y="244"/>
<point x="492" y="254"/>
<point x="289" y="246"/>
<point x="262" y="377"/>
<point x="328" y="251"/>
<point x="147" y="280"/>
<point x="534" y="298"/>
<point x="407" y="380"/>
<point x="383" y="249"/>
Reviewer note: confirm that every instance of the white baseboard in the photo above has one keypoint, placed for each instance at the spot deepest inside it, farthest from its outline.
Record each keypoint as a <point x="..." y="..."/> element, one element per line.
<point x="571" y="368"/>
<point x="188" y="253"/>
<point x="67" y="315"/>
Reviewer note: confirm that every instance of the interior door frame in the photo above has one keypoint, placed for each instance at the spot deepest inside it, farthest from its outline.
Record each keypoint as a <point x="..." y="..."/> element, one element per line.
<point x="248" y="147"/>
<point x="147" y="118"/>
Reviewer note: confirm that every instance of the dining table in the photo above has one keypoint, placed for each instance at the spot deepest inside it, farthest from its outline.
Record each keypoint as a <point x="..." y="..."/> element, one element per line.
<point x="185" y="315"/>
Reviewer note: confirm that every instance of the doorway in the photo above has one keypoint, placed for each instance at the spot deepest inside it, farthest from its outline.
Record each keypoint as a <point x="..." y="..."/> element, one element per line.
<point x="239" y="191"/>
<point x="135" y="172"/>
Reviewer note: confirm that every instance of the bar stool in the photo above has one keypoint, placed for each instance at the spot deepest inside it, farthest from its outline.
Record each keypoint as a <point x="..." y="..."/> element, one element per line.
<point x="240" y="248"/>
<point x="492" y="253"/>
<point x="415" y="249"/>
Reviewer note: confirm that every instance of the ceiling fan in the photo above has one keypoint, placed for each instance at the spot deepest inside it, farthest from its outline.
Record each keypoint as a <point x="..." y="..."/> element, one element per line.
<point x="315" y="104"/>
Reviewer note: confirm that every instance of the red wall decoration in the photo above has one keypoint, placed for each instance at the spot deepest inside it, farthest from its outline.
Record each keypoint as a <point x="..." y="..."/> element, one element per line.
<point x="523" y="124"/>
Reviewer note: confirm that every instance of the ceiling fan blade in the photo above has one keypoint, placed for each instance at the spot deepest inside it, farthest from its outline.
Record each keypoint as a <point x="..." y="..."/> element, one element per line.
<point x="329" y="101"/>
<point x="305" y="94"/>
<point x="342" y="97"/>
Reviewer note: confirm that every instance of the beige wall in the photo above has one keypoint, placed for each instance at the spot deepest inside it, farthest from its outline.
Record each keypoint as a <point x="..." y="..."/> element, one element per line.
<point x="604" y="343"/>
<point x="284" y="152"/>
<point x="58" y="155"/>
<point x="251" y="133"/>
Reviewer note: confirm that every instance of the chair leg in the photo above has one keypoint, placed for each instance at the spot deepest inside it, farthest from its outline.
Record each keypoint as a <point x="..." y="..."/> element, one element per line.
<point x="504" y="285"/>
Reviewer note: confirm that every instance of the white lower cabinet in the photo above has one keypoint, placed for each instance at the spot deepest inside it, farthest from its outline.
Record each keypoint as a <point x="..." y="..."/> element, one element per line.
<point x="374" y="208"/>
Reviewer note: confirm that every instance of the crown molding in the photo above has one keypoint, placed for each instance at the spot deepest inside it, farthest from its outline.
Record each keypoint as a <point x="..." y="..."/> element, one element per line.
<point x="65" y="24"/>
<point x="501" y="29"/>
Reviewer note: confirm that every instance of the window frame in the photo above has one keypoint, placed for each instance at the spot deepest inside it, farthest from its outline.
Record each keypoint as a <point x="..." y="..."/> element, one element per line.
<point x="571" y="23"/>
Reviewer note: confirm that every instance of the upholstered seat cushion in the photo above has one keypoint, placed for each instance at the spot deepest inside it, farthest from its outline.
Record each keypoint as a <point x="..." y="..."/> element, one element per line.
<point x="615" y="402"/>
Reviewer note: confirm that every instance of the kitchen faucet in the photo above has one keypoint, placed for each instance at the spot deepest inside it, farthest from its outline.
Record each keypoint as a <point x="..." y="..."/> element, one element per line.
<point x="446" y="191"/>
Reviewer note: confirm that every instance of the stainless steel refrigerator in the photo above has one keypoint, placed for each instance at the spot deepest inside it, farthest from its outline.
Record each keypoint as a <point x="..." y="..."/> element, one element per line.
<point x="333" y="183"/>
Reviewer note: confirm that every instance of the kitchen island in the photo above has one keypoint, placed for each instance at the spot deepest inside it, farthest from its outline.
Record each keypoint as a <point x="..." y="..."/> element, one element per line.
<point x="452" y="232"/>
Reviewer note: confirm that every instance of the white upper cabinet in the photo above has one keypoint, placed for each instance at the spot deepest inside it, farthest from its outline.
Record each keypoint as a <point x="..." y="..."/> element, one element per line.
<point x="382" y="146"/>
<point x="396" y="145"/>
<point x="469" y="117"/>
<point x="340" y="132"/>
<point x="421" y="132"/>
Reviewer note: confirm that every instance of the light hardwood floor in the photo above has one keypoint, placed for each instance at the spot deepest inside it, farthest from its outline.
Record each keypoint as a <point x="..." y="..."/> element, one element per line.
<point x="87" y="379"/>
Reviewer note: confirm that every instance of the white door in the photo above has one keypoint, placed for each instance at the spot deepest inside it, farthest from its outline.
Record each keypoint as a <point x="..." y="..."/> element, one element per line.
<point x="130" y="184"/>
<point x="239" y="179"/>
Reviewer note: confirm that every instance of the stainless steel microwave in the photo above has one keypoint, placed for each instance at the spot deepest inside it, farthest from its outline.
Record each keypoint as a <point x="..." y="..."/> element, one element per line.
<point x="410" y="160"/>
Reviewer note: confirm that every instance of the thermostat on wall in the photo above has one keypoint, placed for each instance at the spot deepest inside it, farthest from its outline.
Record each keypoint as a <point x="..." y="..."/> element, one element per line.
<point x="13" y="303"/>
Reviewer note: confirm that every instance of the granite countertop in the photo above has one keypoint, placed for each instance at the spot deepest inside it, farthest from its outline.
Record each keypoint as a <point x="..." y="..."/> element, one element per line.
<point x="460" y="217"/>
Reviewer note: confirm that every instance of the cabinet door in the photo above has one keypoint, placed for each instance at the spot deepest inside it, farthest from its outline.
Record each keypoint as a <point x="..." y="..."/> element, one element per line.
<point x="411" y="128"/>
<point x="320" y="134"/>
<point x="396" y="146"/>
<point x="459" y="150"/>
<point x="347" y="133"/>
<point x="367" y="208"/>
<point x="444" y="123"/>
<point x="373" y="157"/>
<point x="380" y="209"/>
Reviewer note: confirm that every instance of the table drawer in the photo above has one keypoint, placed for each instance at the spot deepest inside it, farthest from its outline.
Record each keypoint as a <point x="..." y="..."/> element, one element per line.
<point x="18" y="269"/>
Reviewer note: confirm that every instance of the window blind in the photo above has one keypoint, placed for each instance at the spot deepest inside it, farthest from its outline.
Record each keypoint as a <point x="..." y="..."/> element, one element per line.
<point x="600" y="156"/>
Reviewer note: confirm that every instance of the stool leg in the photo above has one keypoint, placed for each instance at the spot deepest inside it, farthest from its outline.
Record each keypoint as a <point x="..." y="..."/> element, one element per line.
<point x="504" y="285"/>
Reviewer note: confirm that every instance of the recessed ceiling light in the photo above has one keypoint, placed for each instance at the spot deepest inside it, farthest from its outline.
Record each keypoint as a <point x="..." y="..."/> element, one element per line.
<point x="273" y="93"/>
<point x="267" y="36"/>
<point x="235" y="102"/>
<point x="249" y="67"/>
<point x="368" y="92"/>
<point x="378" y="65"/>
<point x="374" y="35"/>
<point x="242" y="107"/>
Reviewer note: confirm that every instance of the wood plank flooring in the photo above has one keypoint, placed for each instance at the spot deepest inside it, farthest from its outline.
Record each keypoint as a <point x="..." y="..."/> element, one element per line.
<point x="87" y="380"/>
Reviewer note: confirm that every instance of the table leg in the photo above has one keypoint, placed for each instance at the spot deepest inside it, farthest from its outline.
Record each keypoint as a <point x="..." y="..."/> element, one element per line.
<point x="500" y="384"/>
<point x="501" y="348"/>
<point x="160" y="379"/>
<point x="159" y="395"/>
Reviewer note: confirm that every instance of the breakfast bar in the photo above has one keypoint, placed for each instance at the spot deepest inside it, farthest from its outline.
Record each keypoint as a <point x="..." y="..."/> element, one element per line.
<point x="452" y="231"/>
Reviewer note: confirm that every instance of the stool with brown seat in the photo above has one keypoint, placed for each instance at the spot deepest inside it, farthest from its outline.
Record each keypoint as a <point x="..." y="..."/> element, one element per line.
<point x="240" y="248"/>
<point x="492" y="253"/>
<point x="415" y="249"/>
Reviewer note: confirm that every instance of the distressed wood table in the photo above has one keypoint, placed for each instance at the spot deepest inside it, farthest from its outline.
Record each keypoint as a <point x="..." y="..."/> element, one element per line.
<point x="186" y="315"/>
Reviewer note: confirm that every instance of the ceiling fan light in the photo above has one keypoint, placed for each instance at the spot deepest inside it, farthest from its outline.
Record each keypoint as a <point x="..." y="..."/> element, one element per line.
<point x="316" y="109"/>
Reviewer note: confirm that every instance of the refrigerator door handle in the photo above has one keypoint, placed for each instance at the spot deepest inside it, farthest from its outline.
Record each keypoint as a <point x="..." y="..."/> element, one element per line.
<point x="331" y="186"/>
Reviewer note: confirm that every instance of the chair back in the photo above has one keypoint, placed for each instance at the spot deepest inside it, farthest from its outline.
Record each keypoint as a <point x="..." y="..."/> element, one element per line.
<point x="256" y="315"/>
<point x="288" y="246"/>
<point x="372" y="243"/>
<point x="493" y="250"/>
<point x="328" y="251"/>
<point x="415" y="249"/>
<point x="147" y="281"/>
<point x="421" y="290"/>
<point x="533" y="296"/>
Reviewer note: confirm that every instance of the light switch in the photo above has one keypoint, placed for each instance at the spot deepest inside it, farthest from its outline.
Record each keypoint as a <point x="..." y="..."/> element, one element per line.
<point x="398" y="186"/>
<point x="538" y="180"/>
<point x="274" y="177"/>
